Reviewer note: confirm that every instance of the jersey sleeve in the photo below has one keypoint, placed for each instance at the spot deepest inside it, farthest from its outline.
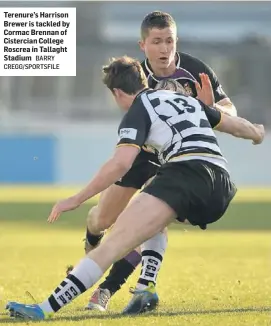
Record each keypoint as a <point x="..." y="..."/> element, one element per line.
<point x="135" y="126"/>
<point x="214" y="116"/>
<point x="219" y="93"/>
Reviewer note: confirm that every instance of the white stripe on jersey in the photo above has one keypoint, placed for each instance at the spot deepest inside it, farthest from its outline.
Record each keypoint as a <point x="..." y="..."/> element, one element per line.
<point x="149" y="107"/>
<point x="196" y="131"/>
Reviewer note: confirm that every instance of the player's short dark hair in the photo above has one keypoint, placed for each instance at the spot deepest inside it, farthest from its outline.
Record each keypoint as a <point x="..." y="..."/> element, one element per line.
<point x="156" y="19"/>
<point x="126" y="74"/>
<point x="171" y="85"/>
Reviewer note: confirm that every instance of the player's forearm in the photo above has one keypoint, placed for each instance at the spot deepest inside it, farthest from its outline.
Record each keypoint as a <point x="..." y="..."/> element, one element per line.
<point x="228" y="109"/>
<point x="110" y="172"/>
<point x="242" y="128"/>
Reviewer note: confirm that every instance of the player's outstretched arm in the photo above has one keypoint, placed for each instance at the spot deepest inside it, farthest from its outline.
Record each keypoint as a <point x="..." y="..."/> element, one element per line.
<point x="236" y="126"/>
<point x="109" y="173"/>
<point x="241" y="128"/>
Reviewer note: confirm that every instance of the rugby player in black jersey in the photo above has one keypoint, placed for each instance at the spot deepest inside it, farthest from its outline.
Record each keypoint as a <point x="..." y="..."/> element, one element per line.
<point x="192" y="185"/>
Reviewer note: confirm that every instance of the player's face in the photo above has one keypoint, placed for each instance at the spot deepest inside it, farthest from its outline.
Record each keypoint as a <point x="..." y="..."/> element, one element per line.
<point x="160" y="47"/>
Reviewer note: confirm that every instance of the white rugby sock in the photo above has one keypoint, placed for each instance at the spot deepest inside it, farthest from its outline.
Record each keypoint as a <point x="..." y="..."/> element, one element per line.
<point x="152" y="252"/>
<point x="81" y="278"/>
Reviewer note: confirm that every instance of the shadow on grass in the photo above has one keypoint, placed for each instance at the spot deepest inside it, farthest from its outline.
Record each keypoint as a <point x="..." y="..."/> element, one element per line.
<point x="6" y="319"/>
<point x="34" y="215"/>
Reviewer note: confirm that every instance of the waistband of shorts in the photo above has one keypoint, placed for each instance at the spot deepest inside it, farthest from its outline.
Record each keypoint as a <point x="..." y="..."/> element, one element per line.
<point x="220" y="162"/>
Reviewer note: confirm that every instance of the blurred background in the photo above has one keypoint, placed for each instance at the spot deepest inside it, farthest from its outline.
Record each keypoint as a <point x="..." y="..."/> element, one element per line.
<point x="59" y="130"/>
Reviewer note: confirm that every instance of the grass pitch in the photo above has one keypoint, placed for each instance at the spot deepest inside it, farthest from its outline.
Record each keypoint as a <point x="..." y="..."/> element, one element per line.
<point x="216" y="277"/>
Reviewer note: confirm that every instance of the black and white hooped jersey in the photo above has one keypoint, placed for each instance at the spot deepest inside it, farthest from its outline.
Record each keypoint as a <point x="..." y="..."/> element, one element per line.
<point x="176" y="127"/>
<point x="187" y="72"/>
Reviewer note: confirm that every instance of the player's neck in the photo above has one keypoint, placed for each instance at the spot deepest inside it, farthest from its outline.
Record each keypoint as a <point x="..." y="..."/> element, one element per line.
<point x="164" y="72"/>
<point x="131" y="98"/>
<point x="134" y="96"/>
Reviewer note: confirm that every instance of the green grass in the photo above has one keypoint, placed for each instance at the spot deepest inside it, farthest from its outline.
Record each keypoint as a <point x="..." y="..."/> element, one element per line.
<point x="216" y="277"/>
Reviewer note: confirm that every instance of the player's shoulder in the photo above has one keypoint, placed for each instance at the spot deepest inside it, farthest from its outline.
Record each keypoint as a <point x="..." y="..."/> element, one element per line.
<point x="190" y="62"/>
<point x="139" y="99"/>
<point x="145" y="99"/>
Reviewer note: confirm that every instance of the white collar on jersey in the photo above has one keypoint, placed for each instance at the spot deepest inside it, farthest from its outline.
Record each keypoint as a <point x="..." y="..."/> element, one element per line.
<point x="148" y="68"/>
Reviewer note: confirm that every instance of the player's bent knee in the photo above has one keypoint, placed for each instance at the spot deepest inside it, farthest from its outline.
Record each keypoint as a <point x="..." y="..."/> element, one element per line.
<point x="97" y="221"/>
<point x="91" y="213"/>
<point x="92" y="220"/>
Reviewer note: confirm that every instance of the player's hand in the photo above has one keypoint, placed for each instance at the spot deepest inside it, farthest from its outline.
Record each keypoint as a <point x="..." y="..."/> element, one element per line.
<point x="205" y="91"/>
<point x="260" y="132"/>
<point x="62" y="206"/>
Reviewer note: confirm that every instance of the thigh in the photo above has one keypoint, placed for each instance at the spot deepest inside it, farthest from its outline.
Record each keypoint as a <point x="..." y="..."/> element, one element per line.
<point x="171" y="185"/>
<point x="141" y="220"/>
<point x="112" y="202"/>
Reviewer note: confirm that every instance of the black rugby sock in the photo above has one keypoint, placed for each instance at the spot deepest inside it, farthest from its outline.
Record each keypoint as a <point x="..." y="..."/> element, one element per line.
<point x="120" y="272"/>
<point x="93" y="239"/>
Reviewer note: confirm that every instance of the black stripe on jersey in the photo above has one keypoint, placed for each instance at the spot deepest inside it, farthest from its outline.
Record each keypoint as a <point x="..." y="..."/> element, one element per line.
<point x="155" y="102"/>
<point x="77" y="282"/>
<point x="204" y="123"/>
<point x="182" y="125"/>
<point x="201" y="137"/>
<point x="191" y="149"/>
<point x="197" y="151"/>
<point x="169" y="150"/>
